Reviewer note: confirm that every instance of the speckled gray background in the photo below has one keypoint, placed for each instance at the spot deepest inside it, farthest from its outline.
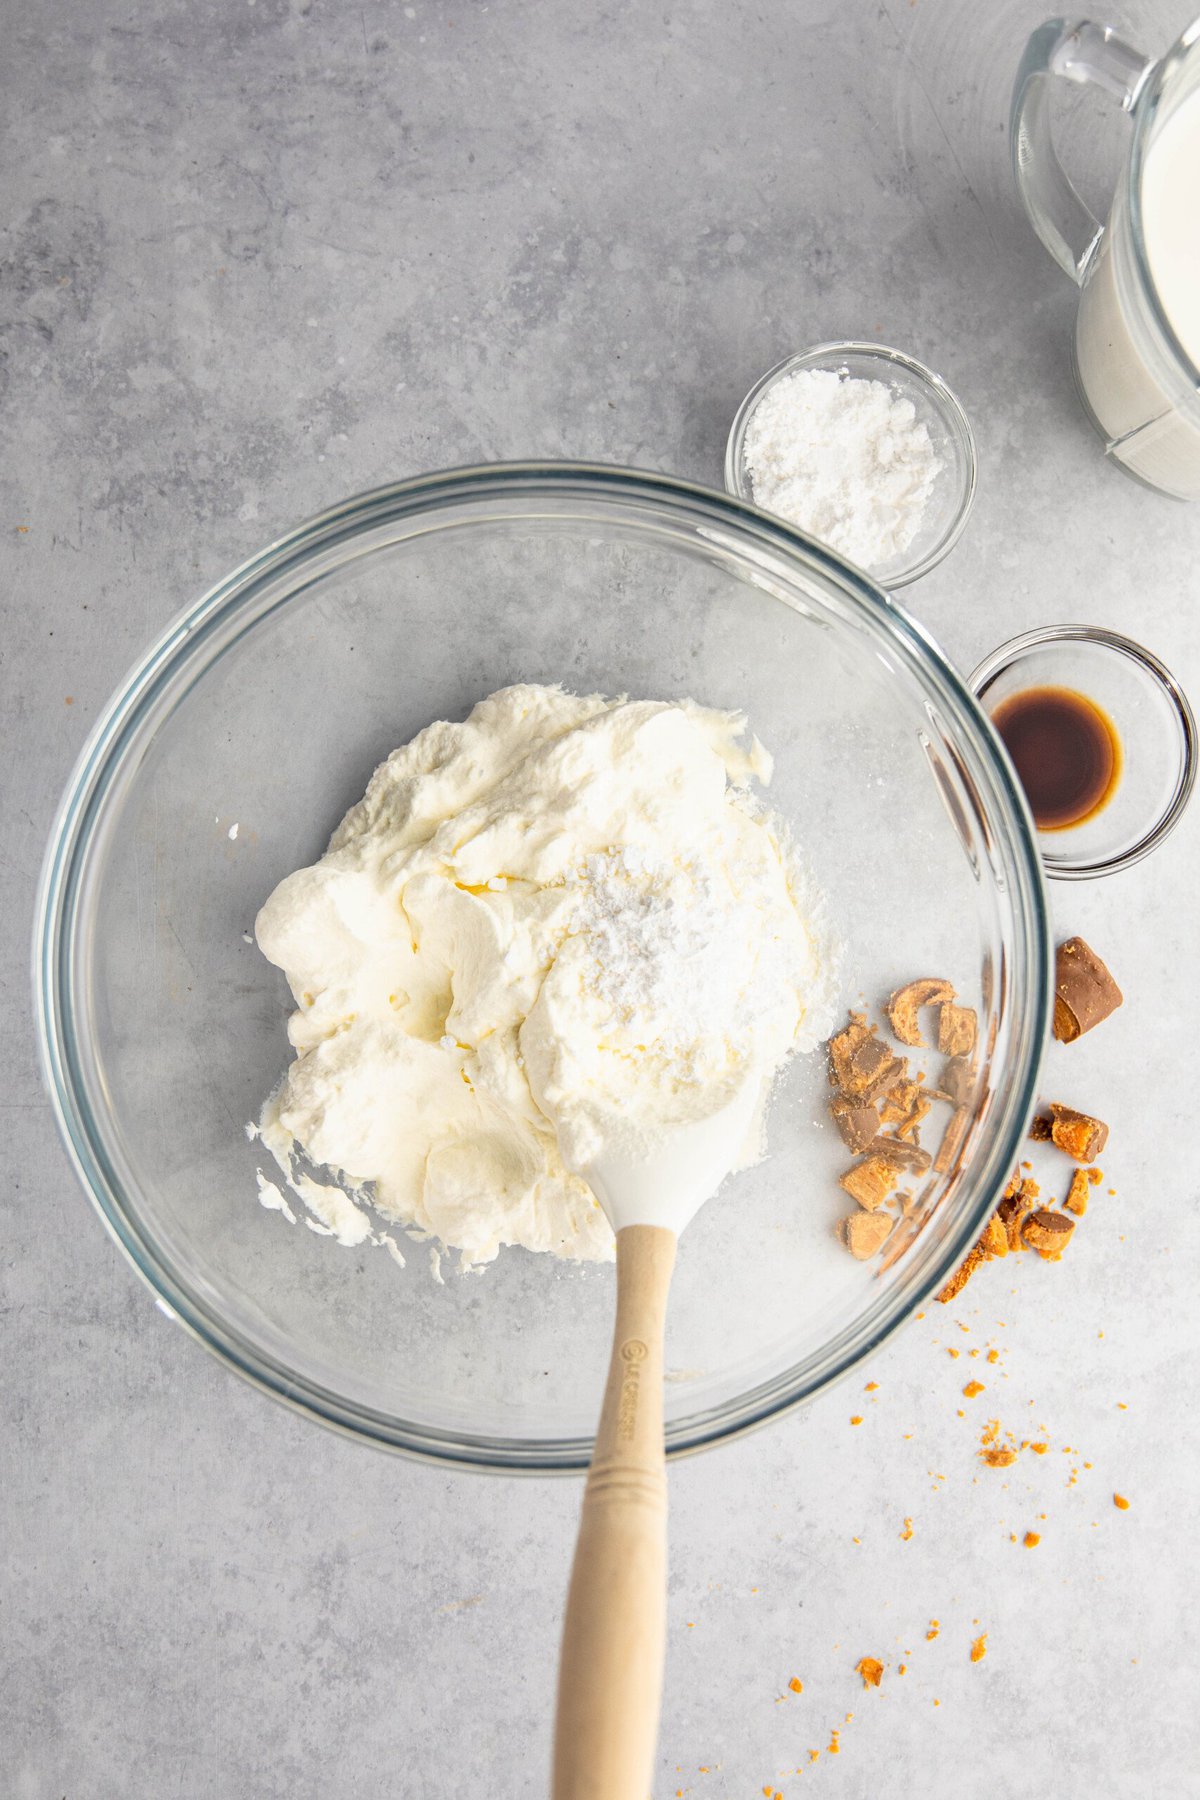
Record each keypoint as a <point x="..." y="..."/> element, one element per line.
<point x="258" y="254"/>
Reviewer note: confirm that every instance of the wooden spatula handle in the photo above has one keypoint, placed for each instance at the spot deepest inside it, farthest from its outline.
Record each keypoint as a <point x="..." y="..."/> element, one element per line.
<point x="610" y="1671"/>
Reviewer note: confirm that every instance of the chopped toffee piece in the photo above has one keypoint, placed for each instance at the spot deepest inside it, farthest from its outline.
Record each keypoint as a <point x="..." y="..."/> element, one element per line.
<point x="952" y="1139"/>
<point x="962" y="1274"/>
<point x="887" y="1073"/>
<point x="857" y="1122"/>
<point x="955" y="1081"/>
<point x="1048" y="1233"/>
<point x="991" y="1242"/>
<point x="863" y="1233"/>
<point x="1077" y="1194"/>
<point x="860" y="1066"/>
<point x="1040" y="1128"/>
<point x="871" y="1670"/>
<point x="915" y="1119"/>
<point x="905" y="1004"/>
<point x="870" y="1181"/>
<point x="1077" y="1133"/>
<point x="994" y="1240"/>
<point x="902" y="1155"/>
<point x="956" y="1029"/>
<point x="899" y="1101"/>
<point x="1084" y="991"/>
<point x="1013" y="1210"/>
<point x="842" y="1049"/>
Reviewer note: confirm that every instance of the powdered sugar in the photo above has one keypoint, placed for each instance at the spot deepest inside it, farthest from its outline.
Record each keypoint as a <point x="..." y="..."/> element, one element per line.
<point x="846" y="459"/>
<point x="690" y="956"/>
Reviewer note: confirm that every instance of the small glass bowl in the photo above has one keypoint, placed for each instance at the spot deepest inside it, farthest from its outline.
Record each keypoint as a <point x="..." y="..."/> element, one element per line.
<point x="936" y="407"/>
<point x="1153" y="722"/>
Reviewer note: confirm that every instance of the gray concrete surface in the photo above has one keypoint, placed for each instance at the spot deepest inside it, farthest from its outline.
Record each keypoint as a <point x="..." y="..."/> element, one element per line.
<point x="258" y="254"/>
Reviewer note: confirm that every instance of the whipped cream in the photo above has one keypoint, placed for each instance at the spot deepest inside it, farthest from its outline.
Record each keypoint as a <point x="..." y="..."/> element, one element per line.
<point x="558" y="930"/>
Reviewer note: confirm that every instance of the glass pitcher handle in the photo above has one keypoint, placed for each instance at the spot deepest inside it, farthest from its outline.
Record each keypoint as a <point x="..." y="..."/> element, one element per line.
<point x="1067" y="50"/>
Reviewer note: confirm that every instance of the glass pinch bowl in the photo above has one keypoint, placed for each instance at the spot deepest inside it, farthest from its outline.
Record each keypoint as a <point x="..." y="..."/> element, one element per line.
<point x="935" y="406"/>
<point x="266" y="706"/>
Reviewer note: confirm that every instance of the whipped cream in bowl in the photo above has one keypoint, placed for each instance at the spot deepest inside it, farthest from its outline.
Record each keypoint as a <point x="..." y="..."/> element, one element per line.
<point x="562" y="932"/>
<point x="164" y="1028"/>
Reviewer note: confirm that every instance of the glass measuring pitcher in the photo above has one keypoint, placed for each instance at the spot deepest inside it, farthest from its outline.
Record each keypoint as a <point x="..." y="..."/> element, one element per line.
<point x="1137" y="329"/>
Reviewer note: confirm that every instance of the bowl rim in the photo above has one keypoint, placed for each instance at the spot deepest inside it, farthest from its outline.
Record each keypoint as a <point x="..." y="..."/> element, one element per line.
<point x="1059" y="865"/>
<point x="102" y="758"/>
<point x="944" y="399"/>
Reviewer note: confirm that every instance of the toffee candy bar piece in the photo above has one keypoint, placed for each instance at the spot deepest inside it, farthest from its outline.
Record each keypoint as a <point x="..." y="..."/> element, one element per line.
<point x="858" y="1123"/>
<point x="910" y="1127"/>
<point x="1012" y="1213"/>
<point x="992" y="1242"/>
<point x="955" y="1081"/>
<point x="1077" y="1194"/>
<point x="899" y="1101"/>
<point x="994" y="1238"/>
<point x="962" y="1274"/>
<point x="870" y="1182"/>
<point x="859" y="1065"/>
<point x="886" y="1074"/>
<point x="906" y="1003"/>
<point x="1048" y="1233"/>
<point x="901" y="1155"/>
<point x="956" y="1029"/>
<point x="863" y="1233"/>
<point x="1078" y="1134"/>
<point x="1084" y="991"/>
<point x="843" y="1047"/>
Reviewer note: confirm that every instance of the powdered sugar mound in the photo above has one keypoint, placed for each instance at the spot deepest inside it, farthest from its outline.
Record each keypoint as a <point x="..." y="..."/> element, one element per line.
<point x="846" y="459"/>
<point x="684" y="958"/>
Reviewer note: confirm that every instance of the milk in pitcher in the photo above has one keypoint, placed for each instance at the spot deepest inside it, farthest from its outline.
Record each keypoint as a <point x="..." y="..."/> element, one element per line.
<point x="1120" y="370"/>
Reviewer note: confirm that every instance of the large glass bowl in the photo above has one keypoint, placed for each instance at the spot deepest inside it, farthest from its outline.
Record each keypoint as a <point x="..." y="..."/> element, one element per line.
<point x="267" y="705"/>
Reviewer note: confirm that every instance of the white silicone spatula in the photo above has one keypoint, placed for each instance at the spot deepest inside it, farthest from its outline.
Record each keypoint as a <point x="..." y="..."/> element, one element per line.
<point x="611" y="1665"/>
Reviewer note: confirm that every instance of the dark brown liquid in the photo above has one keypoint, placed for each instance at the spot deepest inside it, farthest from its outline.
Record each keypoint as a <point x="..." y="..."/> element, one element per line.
<point x="1065" y="750"/>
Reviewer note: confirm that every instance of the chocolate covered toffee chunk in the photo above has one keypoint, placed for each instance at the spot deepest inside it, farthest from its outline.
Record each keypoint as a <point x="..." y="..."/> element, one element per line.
<point x="1077" y="1194"/>
<point x="994" y="1239"/>
<point x="870" y="1181"/>
<point x="955" y="1081"/>
<point x="863" y="1233"/>
<point x="1020" y="1199"/>
<point x="1084" y="991"/>
<point x="956" y="1029"/>
<point x="1077" y="1134"/>
<point x="901" y="1154"/>
<point x="859" y="1065"/>
<point x="1048" y="1233"/>
<point x="906" y="1003"/>
<point x="857" y="1123"/>
<point x="962" y="1274"/>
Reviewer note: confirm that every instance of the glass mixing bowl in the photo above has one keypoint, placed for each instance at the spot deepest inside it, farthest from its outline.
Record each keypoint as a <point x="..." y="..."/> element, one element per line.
<point x="267" y="705"/>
